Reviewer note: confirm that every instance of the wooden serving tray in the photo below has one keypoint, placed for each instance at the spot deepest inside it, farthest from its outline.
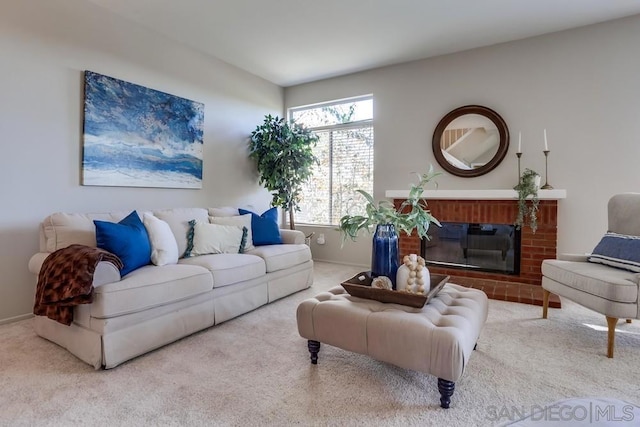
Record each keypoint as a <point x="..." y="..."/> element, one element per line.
<point x="362" y="289"/>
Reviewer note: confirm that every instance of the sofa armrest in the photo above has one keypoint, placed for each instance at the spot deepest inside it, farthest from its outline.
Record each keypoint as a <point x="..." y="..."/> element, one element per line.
<point x="291" y="236"/>
<point x="573" y="257"/>
<point x="105" y="272"/>
<point x="35" y="263"/>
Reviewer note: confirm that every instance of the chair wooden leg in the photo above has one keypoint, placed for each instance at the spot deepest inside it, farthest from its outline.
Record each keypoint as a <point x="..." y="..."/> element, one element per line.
<point x="545" y="302"/>
<point x="611" y="335"/>
<point x="628" y="320"/>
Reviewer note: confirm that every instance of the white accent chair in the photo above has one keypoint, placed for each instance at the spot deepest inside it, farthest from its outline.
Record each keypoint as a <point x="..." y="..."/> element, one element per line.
<point x="607" y="290"/>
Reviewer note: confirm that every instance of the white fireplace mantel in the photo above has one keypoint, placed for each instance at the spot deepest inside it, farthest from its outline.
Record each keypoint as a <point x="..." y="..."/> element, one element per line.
<point x="476" y="194"/>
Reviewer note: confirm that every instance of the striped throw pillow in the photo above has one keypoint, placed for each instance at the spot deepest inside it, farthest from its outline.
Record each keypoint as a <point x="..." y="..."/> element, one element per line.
<point x="618" y="250"/>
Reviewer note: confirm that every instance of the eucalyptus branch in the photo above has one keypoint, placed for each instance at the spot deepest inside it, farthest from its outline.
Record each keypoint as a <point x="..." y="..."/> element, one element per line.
<point x="411" y="215"/>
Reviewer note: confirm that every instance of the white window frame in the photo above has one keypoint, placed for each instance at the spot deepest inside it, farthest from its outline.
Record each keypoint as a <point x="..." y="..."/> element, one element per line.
<point x="339" y="126"/>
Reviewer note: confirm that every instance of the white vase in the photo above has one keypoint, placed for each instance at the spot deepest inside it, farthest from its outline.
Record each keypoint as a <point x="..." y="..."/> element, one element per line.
<point x="536" y="181"/>
<point x="419" y="277"/>
<point x="402" y="277"/>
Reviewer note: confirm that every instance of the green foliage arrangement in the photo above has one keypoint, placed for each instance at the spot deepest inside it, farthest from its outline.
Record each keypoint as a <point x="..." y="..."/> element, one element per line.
<point x="412" y="213"/>
<point x="528" y="200"/>
<point x="283" y="152"/>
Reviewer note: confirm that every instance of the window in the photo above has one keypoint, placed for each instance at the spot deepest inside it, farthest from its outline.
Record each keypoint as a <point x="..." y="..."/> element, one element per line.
<point x="345" y="152"/>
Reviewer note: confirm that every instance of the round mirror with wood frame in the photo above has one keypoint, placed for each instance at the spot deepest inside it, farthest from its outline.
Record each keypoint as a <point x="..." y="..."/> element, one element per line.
<point x="470" y="141"/>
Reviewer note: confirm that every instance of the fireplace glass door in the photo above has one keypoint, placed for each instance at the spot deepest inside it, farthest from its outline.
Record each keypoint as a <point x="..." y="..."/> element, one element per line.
<point x="474" y="246"/>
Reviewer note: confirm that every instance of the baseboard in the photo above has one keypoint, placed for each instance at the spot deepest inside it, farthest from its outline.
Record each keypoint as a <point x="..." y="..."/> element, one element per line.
<point x="332" y="261"/>
<point x="16" y="318"/>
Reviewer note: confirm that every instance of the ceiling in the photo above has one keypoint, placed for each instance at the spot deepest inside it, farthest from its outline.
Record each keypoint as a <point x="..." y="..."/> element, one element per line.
<point x="295" y="41"/>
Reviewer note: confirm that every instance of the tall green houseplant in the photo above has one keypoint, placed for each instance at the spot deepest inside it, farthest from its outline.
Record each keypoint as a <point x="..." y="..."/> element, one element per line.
<point x="283" y="152"/>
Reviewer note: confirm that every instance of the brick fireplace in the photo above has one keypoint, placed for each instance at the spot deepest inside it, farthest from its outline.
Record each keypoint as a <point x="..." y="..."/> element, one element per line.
<point x="523" y="287"/>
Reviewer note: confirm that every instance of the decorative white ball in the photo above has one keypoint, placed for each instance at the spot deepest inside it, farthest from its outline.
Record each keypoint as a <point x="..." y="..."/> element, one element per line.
<point x="382" y="282"/>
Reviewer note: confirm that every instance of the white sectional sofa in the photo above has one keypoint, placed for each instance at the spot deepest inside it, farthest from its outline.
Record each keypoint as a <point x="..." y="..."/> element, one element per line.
<point x="156" y="305"/>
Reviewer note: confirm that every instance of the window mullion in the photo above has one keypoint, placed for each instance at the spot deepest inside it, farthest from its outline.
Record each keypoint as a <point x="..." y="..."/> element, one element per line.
<point x="331" y="176"/>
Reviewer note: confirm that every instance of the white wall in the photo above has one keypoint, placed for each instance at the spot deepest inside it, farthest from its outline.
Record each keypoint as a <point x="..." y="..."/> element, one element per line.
<point x="581" y="85"/>
<point x="45" y="45"/>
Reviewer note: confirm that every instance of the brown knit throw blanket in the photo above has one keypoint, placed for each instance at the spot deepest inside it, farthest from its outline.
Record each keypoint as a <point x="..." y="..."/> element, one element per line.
<point x="66" y="280"/>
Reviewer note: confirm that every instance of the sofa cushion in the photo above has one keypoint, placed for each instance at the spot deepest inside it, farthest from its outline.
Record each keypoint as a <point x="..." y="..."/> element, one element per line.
<point x="239" y="221"/>
<point x="164" y="248"/>
<point x="265" y="228"/>
<point x="215" y="239"/>
<point x="606" y="282"/>
<point x="128" y="239"/>
<point x="178" y="219"/>
<point x="223" y="211"/>
<point x="228" y="269"/>
<point x="148" y="287"/>
<point x="618" y="250"/>
<point x="63" y="229"/>
<point x="280" y="257"/>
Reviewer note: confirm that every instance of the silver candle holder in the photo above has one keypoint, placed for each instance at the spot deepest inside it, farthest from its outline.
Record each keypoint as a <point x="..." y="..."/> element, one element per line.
<point x="546" y="185"/>
<point x="518" y="155"/>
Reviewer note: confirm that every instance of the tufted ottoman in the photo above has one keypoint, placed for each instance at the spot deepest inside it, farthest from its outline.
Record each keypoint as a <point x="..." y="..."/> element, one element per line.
<point x="437" y="339"/>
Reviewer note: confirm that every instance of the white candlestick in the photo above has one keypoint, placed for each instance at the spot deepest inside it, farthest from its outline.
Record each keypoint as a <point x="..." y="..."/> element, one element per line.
<point x="519" y="142"/>
<point x="546" y="146"/>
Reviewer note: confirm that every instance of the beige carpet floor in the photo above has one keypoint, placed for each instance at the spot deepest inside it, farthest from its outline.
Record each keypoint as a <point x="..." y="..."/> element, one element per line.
<point x="254" y="370"/>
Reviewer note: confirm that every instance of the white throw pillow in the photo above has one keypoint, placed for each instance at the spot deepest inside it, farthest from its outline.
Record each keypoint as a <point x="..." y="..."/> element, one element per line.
<point x="216" y="239"/>
<point x="238" y="221"/>
<point x="164" y="248"/>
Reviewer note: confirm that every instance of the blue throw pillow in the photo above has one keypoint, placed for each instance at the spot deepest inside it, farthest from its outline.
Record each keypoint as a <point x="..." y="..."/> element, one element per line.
<point x="127" y="239"/>
<point x="618" y="250"/>
<point x="264" y="228"/>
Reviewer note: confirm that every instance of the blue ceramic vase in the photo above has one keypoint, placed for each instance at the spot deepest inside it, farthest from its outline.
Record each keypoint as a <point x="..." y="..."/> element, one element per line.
<point x="384" y="255"/>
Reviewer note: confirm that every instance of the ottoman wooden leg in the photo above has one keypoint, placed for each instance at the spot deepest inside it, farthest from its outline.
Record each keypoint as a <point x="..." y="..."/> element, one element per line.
<point x="314" y="348"/>
<point x="446" y="389"/>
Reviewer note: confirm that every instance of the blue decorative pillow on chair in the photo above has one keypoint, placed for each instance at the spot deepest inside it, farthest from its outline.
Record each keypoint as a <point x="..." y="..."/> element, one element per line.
<point x="618" y="250"/>
<point x="264" y="228"/>
<point x="127" y="239"/>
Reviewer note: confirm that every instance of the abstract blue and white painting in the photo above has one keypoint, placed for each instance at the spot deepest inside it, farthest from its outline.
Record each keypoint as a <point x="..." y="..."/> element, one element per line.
<point x="139" y="137"/>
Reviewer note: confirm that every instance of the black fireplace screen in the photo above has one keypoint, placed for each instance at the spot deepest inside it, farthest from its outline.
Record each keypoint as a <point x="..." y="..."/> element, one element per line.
<point x="474" y="246"/>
